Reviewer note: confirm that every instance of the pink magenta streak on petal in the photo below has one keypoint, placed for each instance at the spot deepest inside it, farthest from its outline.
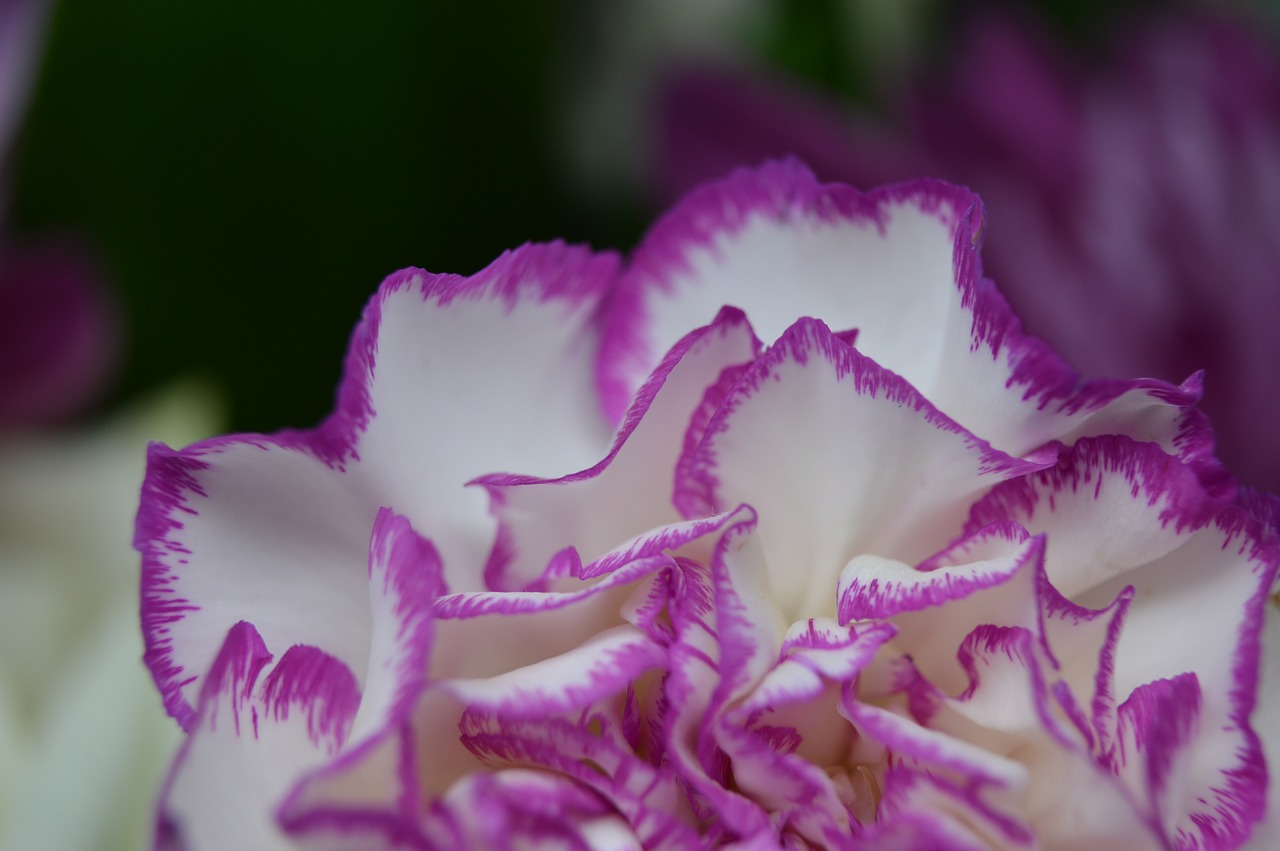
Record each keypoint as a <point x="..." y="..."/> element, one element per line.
<point x="309" y="680"/>
<point x="689" y="692"/>
<point x="798" y="794"/>
<point x="689" y="499"/>
<point x="651" y="429"/>
<point x="405" y="581"/>
<point x="811" y="338"/>
<point x="1155" y="476"/>
<point x="983" y="559"/>
<point x="909" y="740"/>
<point x="170" y="477"/>
<point x="1155" y="722"/>
<point x="1099" y="728"/>
<point x="477" y="604"/>
<point x="668" y="538"/>
<point x="517" y="808"/>
<point x="974" y="768"/>
<point x="897" y="590"/>
<point x="745" y="642"/>
<point x="174" y="484"/>
<point x="1243" y="802"/>
<point x="398" y="823"/>
<point x="902" y="817"/>
<point x="780" y="192"/>
<point x="235" y="672"/>
<point x="306" y="691"/>
<point x="642" y="793"/>
<point x="812" y="656"/>
<point x="601" y="665"/>
<point x="627" y="563"/>
<point x="361" y="827"/>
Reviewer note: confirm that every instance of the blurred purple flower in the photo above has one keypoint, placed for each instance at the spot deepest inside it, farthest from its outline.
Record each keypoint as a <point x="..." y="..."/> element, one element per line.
<point x="58" y="334"/>
<point x="1136" y="203"/>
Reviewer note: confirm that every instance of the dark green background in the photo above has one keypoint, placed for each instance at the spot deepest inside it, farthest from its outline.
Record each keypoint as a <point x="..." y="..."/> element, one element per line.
<point x="248" y="171"/>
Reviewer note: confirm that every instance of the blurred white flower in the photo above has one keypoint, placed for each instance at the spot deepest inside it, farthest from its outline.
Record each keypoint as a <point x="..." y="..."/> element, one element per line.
<point x="83" y="737"/>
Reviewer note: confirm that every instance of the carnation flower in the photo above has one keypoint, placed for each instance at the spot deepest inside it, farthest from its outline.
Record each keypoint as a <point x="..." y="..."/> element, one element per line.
<point x="781" y="534"/>
<point x="1132" y="196"/>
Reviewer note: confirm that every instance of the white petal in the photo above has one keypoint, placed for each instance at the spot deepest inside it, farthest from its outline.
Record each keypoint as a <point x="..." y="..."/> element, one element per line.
<point x="628" y="491"/>
<point x="447" y="379"/>
<point x="780" y="246"/>
<point x="488" y="374"/>
<point x="256" y="732"/>
<point x="1266" y="723"/>
<point x="815" y="652"/>
<point x="1219" y="578"/>
<point x="248" y="529"/>
<point x="404" y="583"/>
<point x="601" y="665"/>
<point x="839" y="457"/>
<point x="901" y="265"/>
<point x="1120" y="514"/>
<point x="369" y="797"/>
<point x="1110" y="504"/>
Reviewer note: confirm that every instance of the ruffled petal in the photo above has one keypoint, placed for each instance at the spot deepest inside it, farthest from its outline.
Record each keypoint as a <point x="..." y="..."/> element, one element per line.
<point x="893" y="475"/>
<point x="598" y="666"/>
<point x="1147" y="497"/>
<point x="492" y="633"/>
<point x="816" y="651"/>
<point x="1222" y="574"/>
<point x="786" y="745"/>
<point x="368" y="798"/>
<point x="517" y="808"/>
<point x="1123" y="515"/>
<point x="595" y="752"/>
<point x="778" y="244"/>
<point x="244" y="529"/>
<point x="405" y="582"/>
<point x="468" y="376"/>
<point x="630" y="489"/>
<point x="373" y="784"/>
<point x="238" y="528"/>
<point x="258" y="727"/>
<point x="986" y="782"/>
<point x="1266" y="723"/>
<point x="727" y="632"/>
<point x="875" y="587"/>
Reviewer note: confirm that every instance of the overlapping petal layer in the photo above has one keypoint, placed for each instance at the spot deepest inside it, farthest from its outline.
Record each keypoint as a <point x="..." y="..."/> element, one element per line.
<point x="905" y="583"/>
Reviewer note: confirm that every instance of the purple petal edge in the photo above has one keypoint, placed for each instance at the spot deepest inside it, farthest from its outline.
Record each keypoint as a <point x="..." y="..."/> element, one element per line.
<point x="566" y="272"/>
<point x="780" y="190"/>
<point x="809" y="337"/>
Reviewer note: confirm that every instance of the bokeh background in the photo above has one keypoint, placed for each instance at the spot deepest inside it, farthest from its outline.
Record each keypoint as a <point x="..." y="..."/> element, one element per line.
<point x="247" y="172"/>
<point x="238" y="176"/>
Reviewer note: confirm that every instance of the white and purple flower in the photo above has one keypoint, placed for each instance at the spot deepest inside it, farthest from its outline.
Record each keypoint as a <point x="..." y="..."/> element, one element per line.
<point x="779" y="535"/>
<point x="1132" y="193"/>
